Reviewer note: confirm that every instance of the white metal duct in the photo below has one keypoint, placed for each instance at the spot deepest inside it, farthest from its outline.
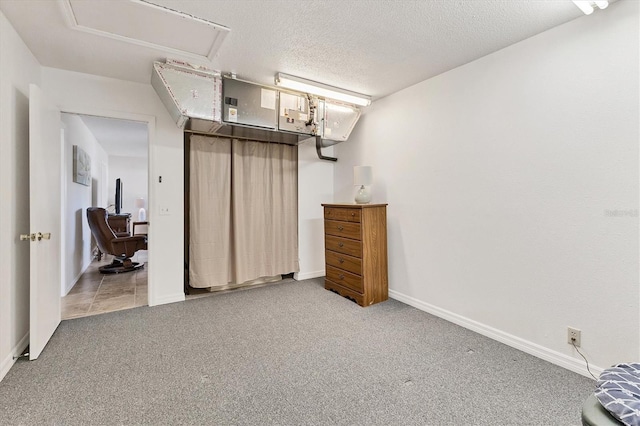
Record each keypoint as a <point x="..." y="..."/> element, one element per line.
<point x="202" y="101"/>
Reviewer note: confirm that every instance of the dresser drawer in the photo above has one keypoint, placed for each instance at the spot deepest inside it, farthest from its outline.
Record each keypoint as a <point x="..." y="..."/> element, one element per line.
<point x="343" y="245"/>
<point x="342" y="229"/>
<point x="342" y="261"/>
<point x="350" y="215"/>
<point x="346" y="292"/>
<point x="344" y="278"/>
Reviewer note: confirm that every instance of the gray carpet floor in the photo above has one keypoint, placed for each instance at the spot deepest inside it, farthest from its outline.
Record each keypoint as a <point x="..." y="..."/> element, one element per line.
<point x="287" y="354"/>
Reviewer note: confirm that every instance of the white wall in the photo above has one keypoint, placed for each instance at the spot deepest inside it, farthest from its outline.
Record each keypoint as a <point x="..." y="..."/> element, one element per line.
<point x="106" y="97"/>
<point x="134" y="174"/>
<point x="503" y="177"/>
<point x="78" y="198"/>
<point x="18" y="68"/>
<point x="315" y="186"/>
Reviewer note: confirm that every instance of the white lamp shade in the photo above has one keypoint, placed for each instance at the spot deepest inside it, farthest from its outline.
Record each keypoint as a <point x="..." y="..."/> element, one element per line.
<point x="362" y="175"/>
<point x="139" y="203"/>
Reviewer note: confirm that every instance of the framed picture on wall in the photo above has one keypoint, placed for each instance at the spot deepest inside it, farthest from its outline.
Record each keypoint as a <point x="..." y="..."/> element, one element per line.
<point x="81" y="166"/>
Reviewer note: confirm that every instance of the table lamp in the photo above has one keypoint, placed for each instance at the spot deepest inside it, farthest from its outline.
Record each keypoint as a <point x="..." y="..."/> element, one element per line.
<point x="362" y="176"/>
<point x="142" y="214"/>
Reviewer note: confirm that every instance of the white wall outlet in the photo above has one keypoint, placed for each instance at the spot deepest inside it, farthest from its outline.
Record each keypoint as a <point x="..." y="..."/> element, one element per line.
<point x="573" y="336"/>
<point x="164" y="211"/>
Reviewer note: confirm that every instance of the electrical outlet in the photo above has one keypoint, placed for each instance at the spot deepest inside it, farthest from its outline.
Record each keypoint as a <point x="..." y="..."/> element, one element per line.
<point x="164" y="211"/>
<point x="573" y="336"/>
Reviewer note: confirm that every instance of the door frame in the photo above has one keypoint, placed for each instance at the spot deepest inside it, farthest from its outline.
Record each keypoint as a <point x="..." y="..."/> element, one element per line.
<point x="150" y="120"/>
<point x="63" y="204"/>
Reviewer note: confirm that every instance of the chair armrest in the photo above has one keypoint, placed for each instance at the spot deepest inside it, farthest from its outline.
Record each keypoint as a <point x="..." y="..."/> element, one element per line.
<point x="129" y="245"/>
<point x="131" y="239"/>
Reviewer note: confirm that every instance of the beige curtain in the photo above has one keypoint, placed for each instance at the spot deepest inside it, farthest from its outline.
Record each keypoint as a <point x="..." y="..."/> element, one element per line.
<point x="209" y="211"/>
<point x="243" y="211"/>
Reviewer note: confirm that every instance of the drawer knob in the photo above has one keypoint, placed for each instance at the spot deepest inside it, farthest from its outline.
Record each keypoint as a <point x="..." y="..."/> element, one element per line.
<point x="340" y="244"/>
<point x="353" y="214"/>
<point x="340" y="228"/>
<point x="341" y="276"/>
<point x="341" y="260"/>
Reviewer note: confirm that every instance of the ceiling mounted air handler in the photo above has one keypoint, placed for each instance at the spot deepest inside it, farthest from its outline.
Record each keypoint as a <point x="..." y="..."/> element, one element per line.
<point x="202" y="101"/>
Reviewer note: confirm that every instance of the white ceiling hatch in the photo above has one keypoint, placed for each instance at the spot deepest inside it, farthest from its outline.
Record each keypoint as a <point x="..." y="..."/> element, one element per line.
<point x="165" y="29"/>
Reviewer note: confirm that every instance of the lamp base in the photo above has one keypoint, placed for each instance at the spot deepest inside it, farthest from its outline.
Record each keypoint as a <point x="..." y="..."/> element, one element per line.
<point x="142" y="215"/>
<point x="363" y="196"/>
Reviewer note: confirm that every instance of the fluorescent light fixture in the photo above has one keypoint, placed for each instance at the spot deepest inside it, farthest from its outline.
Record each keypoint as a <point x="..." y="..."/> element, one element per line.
<point x="587" y="6"/>
<point x="319" y="89"/>
<point x="339" y="108"/>
<point x="584" y="6"/>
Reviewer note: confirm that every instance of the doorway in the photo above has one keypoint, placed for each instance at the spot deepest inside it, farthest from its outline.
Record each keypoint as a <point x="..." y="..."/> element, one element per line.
<point x="118" y="149"/>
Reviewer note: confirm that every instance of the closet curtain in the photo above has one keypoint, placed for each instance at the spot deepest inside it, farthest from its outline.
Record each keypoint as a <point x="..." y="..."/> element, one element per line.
<point x="243" y="211"/>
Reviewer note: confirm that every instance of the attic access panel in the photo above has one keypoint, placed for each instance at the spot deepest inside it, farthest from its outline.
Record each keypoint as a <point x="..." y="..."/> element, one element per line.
<point x="145" y="24"/>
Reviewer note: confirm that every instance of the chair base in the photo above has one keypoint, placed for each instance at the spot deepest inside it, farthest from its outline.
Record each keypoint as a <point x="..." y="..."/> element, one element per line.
<point x="119" y="266"/>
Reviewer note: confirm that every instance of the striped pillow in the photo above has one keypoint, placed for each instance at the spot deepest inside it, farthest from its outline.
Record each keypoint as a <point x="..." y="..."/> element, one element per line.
<point x="618" y="390"/>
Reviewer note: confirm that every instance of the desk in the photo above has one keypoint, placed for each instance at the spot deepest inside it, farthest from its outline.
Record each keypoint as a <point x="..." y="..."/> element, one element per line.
<point x="119" y="223"/>
<point x="133" y="228"/>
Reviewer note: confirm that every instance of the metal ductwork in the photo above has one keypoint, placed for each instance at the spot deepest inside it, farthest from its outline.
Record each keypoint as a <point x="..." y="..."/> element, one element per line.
<point x="203" y="101"/>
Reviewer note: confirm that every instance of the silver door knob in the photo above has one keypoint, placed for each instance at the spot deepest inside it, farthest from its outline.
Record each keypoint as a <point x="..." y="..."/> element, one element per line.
<point x="27" y="237"/>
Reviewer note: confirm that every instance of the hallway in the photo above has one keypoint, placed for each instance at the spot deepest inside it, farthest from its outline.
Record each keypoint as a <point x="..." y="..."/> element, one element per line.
<point x="97" y="293"/>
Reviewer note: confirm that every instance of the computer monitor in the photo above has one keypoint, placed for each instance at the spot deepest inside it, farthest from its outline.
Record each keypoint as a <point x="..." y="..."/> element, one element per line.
<point x="118" y="195"/>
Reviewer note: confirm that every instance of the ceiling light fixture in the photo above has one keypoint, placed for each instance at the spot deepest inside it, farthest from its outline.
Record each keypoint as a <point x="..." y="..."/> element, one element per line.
<point x="319" y="89"/>
<point x="588" y="6"/>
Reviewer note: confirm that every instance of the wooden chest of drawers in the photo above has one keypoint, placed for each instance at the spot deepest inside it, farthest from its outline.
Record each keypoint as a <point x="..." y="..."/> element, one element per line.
<point x="355" y="241"/>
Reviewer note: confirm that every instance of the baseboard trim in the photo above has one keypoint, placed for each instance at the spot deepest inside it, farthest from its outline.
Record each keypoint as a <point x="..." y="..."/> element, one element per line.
<point x="554" y="357"/>
<point x="70" y="285"/>
<point x="173" y="298"/>
<point x="8" y="362"/>
<point x="73" y="283"/>
<point x="299" y="276"/>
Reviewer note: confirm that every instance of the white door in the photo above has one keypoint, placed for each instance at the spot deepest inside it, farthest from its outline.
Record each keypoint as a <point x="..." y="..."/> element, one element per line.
<point x="44" y="217"/>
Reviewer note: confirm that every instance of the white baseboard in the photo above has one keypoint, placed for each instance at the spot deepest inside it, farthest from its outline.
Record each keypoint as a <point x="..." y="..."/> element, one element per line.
<point x="178" y="297"/>
<point x="554" y="357"/>
<point x="70" y="285"/>
<point x="299" y="276"/>
<point x="9" y="360"/>
<point x="73" y="283"/>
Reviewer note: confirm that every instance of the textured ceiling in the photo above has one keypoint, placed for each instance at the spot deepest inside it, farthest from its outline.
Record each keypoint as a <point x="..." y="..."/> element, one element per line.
<point x="375" y="47"/>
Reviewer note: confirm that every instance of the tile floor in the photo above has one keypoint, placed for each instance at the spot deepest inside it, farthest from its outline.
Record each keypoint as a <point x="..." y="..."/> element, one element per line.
<point x="97" y="293"/>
